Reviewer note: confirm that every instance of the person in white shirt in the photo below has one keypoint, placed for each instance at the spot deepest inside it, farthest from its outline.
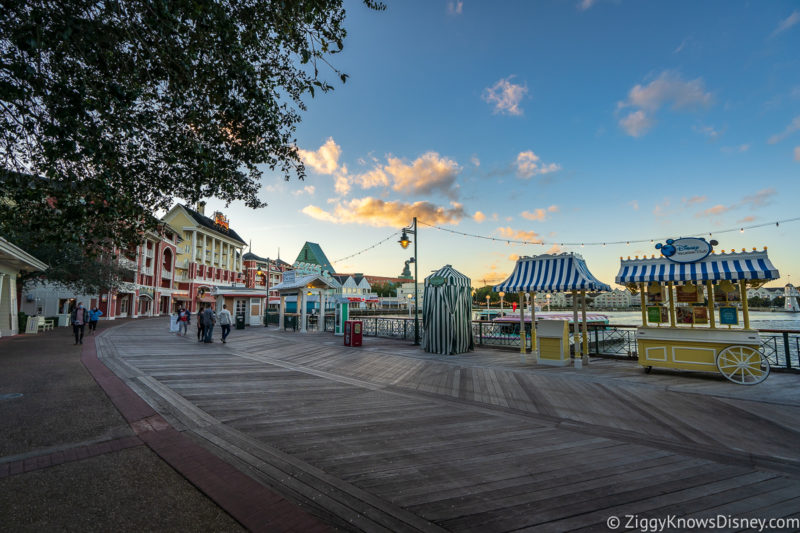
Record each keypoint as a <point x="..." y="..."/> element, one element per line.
<point x="225" y="322"/>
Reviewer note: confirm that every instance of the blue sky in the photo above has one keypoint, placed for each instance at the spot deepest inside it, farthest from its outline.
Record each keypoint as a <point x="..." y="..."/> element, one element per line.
<point x="562" y="121"/>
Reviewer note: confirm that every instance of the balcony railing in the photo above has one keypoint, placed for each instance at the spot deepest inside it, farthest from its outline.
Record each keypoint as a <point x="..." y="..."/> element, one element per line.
<point x="147" y="271"/>
<point x="166" y="274"/>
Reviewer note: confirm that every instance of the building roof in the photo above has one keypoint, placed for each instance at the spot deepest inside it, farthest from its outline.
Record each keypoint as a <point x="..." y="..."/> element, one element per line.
<point x="15" y="257"/>
<point x="311" y="252"/>
<point x="731" y="266"/>
<point x="250" y="256"/>
<point x="209" y="224"/>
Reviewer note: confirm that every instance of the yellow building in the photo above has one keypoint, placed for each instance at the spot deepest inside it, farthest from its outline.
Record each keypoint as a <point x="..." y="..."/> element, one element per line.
<point x="210" y="257"/>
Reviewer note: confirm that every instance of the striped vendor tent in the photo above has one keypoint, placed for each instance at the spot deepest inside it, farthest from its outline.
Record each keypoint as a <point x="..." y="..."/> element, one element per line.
<point x="447" y="312"/>
<point x="732" y="266"/>
<point x="551" y="273"/>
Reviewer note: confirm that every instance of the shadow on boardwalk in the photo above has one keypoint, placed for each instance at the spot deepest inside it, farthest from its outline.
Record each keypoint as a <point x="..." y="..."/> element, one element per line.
<point x="387" y="437"/>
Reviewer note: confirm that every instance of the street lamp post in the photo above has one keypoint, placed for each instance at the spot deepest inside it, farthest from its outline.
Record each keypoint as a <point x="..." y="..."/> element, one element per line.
<point x="404" y="242"/>
<point x="488" y="315"/>
<point x="502" y="294"/>
<point x="409" y="304"/>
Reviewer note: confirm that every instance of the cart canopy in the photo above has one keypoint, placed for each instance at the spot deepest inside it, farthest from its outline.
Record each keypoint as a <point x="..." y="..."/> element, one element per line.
<point x="551" y="273"/>
<point x="447" y="313"/>
<point x="731" y="266"/>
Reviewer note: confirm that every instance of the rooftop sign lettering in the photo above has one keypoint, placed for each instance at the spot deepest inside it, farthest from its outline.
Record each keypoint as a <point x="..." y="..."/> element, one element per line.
<point x="686" y="250"/>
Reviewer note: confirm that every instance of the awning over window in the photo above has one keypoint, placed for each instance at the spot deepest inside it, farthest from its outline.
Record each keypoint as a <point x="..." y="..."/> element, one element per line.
<point x="551" y="273"/>
<point x="732" y="266"/>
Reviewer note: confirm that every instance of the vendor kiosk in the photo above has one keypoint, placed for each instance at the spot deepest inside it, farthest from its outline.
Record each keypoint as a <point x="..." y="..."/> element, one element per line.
<point x="565" y="272"/>
<point x="691" y="301"/>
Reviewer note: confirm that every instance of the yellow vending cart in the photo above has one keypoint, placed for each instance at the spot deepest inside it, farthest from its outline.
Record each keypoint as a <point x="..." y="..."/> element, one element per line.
<point x="694" y="308"/>
<point x="566" y="272"/>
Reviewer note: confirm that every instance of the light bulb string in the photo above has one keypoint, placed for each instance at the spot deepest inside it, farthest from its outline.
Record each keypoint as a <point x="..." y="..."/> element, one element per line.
<point x="368" y="248"/>
<point x="605" y="243"/>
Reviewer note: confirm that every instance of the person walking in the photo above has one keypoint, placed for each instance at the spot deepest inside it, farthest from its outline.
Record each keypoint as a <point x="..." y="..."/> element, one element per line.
<point x="201" y="332"/>
<point x="94" y="316"/>
<point x="225" y="322"/>
<point x="184" y="319"/>
<point x="79" y="318"/>
<point x="209" y="319"/>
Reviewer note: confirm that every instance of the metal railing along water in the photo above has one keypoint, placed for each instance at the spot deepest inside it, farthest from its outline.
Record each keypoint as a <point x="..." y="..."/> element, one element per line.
<point x="781" y="347"/>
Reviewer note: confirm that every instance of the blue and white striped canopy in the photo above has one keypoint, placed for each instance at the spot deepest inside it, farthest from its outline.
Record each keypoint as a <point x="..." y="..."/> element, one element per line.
<point x="732" y="266"/>
<point x="551" y="273"/>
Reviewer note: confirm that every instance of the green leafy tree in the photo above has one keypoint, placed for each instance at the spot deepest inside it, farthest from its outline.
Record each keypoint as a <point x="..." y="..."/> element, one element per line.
<point x="121" y="107"/>
<point x="385" y="289"/>
<point x="75" y="270"/>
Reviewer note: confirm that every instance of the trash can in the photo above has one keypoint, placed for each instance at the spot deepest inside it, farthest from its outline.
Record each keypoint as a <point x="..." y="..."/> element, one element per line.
<point x="239" y="321"/>
<point x="353" y="332"/>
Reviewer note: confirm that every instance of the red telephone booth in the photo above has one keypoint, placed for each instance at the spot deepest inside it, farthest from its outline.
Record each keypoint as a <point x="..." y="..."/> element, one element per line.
<point x="353" y="332"/>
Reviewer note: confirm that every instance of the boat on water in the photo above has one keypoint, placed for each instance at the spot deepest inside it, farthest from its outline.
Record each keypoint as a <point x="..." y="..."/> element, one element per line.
<point x="591" y="318"/>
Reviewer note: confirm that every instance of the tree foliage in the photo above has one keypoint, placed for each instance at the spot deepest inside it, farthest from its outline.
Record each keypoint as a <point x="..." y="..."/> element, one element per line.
<point x="70" y="266"/>
<point x="385" y="289"/>
<point x="120" y="107"/>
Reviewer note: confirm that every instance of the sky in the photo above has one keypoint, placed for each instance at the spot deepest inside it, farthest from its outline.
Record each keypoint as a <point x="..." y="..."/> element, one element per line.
<point x="562" y="122"/>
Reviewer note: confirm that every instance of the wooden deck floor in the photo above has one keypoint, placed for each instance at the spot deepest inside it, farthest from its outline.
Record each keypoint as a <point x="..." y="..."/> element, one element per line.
<point x="386" y="437"/>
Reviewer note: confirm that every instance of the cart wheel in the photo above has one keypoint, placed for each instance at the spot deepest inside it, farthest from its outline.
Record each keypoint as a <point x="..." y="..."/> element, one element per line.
<point x="647" y="369"/>
<point x="743" y="365"/>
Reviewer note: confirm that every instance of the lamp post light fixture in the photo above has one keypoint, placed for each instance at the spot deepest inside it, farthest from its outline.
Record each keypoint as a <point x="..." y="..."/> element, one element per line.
<point x="404" y="242"/>
<point x="502" y="294"/>
<point x="409" y="304"/>
<point x="488" y="315"/>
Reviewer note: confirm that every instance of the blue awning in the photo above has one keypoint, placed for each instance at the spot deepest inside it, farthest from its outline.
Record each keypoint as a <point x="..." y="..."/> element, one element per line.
<point x="732" y="266"/>
<point x="551" y="273"/>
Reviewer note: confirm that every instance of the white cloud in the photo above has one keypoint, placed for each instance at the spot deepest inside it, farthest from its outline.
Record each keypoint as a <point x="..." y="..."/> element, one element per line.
<point x="731" y="149"/>
<point x="660" y="210"/>
<point x="475" y="161"/>
<point x="793" y="126"/>
<point x="797" y="153"/>
<point x="634" y="204"/>
<point x="636" y="123"/>
<point x="456" y="7"/>
<point x="325" y="160"/>
<point x="709" y="131"/>
<point x="479" y="217"/>
<point x="694" y="200"/>
<point x="759" y="199"/>
<point x="529" y="165"/>
<point x="380" y="213"/>
<point x="374" y="178"/>
<point x="505" y="96"/>
<point x="715" y="210"/>
<point x="539" y="214"/>
<point x="308" y="189"/>
<point x="428" y="173"/>
<point x="583" y="5"/>
<point x="787" y="23"/>
<point x="519" y="235"/>
<point x="668" y="89"/>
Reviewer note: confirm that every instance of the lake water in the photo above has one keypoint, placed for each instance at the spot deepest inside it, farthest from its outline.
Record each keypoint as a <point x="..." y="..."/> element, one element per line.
<point x="758" y="319"/>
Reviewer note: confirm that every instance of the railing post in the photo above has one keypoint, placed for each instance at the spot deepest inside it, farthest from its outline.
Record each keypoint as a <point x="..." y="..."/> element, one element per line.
<point x="480" y="332"/>
<point x="405" y="326"/>
<point x="597" y="341"/>
<point x="786" y="349"/>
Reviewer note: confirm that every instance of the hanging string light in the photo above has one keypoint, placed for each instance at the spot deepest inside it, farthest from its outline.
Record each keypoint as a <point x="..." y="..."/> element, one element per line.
<point x="627" y="242"/>
<point x="367" y="248"/>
